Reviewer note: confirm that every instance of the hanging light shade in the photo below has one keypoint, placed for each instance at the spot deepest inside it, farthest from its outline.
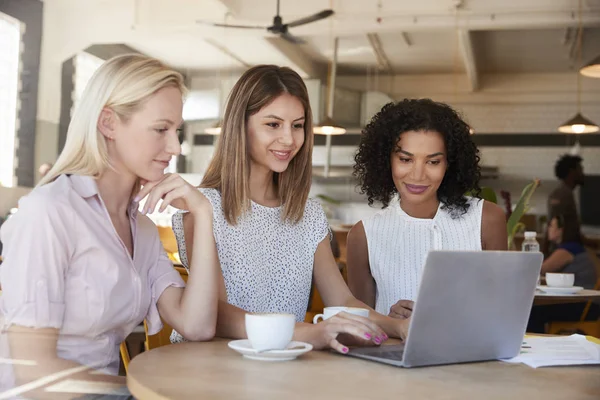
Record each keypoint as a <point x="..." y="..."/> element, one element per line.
<point x="578" y="124"/>
<point x="329" y="127"/>
<point x="214" y="129"/>
<point x="592" y="69"/>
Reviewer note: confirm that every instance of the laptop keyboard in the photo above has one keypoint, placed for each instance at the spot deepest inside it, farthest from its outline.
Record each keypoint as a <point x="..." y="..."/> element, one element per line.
<point x="390" y="355"/>
<point x="381" y="353"/>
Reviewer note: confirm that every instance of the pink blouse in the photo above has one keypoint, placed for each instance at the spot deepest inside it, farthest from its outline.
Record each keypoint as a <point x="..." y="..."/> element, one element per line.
<point x="65" y="267"/>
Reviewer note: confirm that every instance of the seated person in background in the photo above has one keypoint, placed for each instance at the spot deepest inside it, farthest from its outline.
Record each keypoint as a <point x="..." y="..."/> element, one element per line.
<point x="568" y="257"/>
<point x="417" y="158"/>
<point x="82" y="268"/>
<point x="273" y="241"/>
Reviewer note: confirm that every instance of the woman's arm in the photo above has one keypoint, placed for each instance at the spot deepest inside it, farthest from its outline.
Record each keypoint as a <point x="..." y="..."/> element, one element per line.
<point x="559" y="259"/>
<point x="360" y="280"/>
<point x="230" y="319"/>
<point x="191" y="311"/>
<point x="39" y="345"/>
<point x="335" y="292"/>
<point x="494" y="235"/>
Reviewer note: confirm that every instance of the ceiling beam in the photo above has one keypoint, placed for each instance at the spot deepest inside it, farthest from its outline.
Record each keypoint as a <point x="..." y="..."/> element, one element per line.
<point x="310" y="67"/>
<point x="405" y="39"/>
<point x="465" y="44"/>
<point x="382" y="59"/>
<point x="226" y="51"/>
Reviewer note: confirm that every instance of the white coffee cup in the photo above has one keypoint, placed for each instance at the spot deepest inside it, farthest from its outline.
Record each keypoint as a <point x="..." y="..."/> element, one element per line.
<point x="559" y="280"/>
<point x="329" y="312"/>
<point x="270" y="331"/>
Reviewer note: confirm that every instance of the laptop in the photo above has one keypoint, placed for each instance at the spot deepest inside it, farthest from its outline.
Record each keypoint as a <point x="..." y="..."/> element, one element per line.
<point x="471" y="306"/>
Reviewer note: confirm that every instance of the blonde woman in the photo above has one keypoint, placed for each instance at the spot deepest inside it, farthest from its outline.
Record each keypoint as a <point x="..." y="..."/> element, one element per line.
<point x="272" y="240"/>
<point x="82" y="267"/>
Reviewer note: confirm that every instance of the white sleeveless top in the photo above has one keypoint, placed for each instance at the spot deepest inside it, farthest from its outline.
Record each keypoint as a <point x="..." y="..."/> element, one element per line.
<point x="267" y="264"/>
<point x="398" y="245"/>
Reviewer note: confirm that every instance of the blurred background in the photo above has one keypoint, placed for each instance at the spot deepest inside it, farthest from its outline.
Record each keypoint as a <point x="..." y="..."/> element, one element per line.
<point x="512" y="67"/>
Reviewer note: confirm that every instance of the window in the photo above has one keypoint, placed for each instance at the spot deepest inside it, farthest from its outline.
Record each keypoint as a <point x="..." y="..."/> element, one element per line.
<point x="201" y="105"/>
<point x="10" y="51"/>
<point x="85" y="66"/>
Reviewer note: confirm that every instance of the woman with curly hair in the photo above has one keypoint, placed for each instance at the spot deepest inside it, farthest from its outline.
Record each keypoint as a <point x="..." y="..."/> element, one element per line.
<point x="416" y="158"/>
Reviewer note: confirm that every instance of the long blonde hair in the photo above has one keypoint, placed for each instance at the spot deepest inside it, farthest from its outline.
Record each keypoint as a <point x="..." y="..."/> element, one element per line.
<point x="122" y="84"/>
<point x="229" y="170"/>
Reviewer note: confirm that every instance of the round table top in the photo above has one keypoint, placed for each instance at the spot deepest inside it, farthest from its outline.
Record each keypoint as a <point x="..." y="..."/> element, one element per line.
<point x="213" y="371"/>
<point x="582" y="296"/>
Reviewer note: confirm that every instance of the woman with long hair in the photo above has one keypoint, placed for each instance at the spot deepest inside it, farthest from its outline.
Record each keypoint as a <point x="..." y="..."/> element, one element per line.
<point x="272" y="240"/>
<point x="82" y="267"/>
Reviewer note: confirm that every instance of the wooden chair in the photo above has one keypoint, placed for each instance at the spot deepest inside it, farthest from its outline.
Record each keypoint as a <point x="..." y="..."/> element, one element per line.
<point x="167" y="238"/>
<point x="125" y="356"/>
<point x="591" y="328"/>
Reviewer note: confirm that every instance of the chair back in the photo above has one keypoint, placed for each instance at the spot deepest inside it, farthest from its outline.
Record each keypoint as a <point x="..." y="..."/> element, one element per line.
<point x="167" y="237"/>
<point x="594" y="257"/>
<point x="125" y="356"/>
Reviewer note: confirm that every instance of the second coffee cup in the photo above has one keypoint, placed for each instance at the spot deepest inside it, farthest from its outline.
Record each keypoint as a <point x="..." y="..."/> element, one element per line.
<point x="329" y="312"/>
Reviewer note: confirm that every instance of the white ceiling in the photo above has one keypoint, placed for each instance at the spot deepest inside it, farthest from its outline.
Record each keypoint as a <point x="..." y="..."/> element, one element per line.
<point x="533" y="50"/>
<point x="503" y="35"/>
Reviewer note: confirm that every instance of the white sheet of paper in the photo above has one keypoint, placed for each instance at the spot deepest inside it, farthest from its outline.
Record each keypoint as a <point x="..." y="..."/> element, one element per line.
<point x="559" y="350"/>
<point x="88" y="387"/>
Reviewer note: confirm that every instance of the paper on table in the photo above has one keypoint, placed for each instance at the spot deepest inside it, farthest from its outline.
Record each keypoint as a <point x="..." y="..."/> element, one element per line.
<point x="88" y="387"/>
<point x="541" y="351"/>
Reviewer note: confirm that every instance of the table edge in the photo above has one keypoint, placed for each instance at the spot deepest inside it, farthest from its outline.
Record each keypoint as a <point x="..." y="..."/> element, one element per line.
<point x="140" y="391"/>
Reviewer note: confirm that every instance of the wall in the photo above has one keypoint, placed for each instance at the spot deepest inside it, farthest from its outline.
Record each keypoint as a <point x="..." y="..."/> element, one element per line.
<point x="29" y="12"/>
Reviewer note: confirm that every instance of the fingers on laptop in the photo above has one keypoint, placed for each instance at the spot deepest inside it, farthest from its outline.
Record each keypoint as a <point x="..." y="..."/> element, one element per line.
<point x="379" y="334"/>
<point x="360" y="327"/>
<point x="337" y="346"/>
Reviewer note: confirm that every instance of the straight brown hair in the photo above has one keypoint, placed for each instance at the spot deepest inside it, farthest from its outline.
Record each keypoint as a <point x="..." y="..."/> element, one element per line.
<point x="229" y="170"/>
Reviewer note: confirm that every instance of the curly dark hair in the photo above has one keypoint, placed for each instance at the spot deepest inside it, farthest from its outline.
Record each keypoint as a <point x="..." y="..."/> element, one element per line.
<point x="566" y="164"/>
<point x="380" y="137"/>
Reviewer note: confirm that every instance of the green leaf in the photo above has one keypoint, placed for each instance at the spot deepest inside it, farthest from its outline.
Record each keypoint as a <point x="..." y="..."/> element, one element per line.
<point x="487" y="193"/>
<point x="513" y="225"/>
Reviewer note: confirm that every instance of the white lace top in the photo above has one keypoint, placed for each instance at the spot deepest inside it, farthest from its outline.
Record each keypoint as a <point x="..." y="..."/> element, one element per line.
<point x="398" y="245"/>
<point x="267" y="264"/>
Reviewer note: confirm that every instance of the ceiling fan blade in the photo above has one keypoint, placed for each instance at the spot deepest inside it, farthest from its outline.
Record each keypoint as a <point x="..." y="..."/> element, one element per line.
<point x="291" y="38"/>
<point x="230" y="26"/>
<point x="311" y="18"/>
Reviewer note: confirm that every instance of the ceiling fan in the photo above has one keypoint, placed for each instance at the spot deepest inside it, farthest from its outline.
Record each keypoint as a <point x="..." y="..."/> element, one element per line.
<point x="278" y="26"/>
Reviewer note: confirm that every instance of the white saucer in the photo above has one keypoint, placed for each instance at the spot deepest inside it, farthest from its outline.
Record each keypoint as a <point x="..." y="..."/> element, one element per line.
<point x="294" y="350"/>
<point x="560" y="290"/>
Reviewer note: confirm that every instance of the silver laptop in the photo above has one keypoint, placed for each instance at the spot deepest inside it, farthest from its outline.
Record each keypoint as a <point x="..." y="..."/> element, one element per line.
<point x="471" y="306"/>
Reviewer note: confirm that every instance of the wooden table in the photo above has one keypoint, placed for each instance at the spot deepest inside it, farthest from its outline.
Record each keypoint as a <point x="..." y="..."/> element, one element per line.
<point x="582" y="296"/>
<point x="213" y="371"/>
